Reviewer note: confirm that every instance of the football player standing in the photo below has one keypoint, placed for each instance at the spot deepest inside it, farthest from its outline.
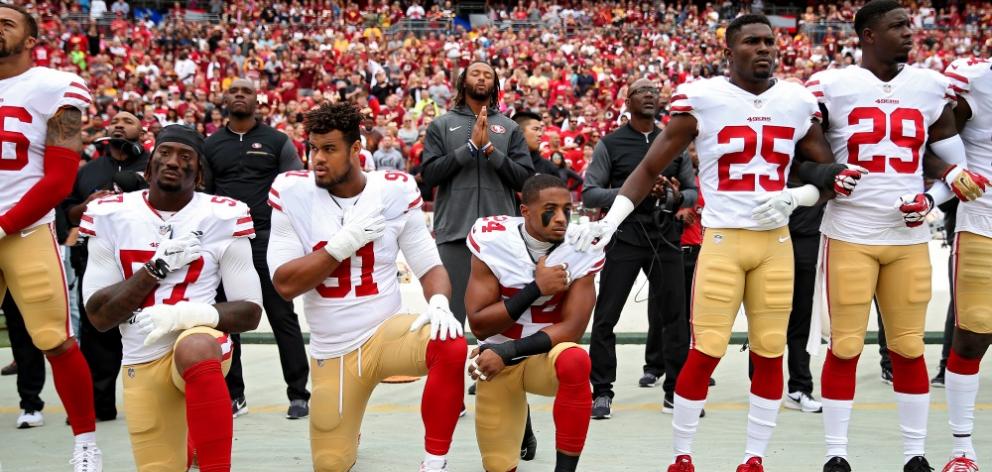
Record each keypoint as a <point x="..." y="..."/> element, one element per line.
<point x="748" y="128"/>
<point x="883" y="115"/>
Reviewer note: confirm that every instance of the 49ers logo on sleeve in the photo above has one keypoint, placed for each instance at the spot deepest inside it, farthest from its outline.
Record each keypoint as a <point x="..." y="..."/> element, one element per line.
<point x="498" y="129"/>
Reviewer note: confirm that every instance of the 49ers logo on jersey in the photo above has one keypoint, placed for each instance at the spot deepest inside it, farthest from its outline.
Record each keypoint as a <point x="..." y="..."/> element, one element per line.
<point x="498" y="129"/>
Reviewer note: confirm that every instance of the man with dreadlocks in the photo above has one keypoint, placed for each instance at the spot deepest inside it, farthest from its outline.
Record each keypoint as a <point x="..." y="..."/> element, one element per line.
<point x="478" y="159"/>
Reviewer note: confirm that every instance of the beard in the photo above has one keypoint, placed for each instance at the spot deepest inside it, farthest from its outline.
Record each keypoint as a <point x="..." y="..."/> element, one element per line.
<point x="331" y="181"/>
<point x="475" y="95"/>
<point x="168" y="187"/>
<point x="13" y="50"/>
<point x="241" y="114"/>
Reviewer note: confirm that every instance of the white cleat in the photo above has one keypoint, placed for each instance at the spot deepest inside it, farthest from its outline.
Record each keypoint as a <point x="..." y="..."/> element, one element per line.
<point x="425" y="468"/>
<point x="803" y="402"/>
<point x="30" y="419"/>
<point x="87" y="458"/>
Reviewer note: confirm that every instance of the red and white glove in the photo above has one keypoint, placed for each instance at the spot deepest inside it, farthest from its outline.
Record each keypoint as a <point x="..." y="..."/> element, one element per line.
<point x="848" y="178"/>
<point x="915" y="208"/>
<point x="967" y="185"/>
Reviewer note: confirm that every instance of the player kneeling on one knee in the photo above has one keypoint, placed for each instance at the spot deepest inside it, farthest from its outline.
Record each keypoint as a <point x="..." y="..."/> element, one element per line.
<point x="156" y="258"/>
<point x="336" y="234"/>
<point x="528" y="301"/>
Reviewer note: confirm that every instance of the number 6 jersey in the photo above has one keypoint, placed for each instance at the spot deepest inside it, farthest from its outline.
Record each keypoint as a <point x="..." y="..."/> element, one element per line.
<point x="883" y="127"/>
<point x="345" y="310"/>
<point x="126" y="229"/>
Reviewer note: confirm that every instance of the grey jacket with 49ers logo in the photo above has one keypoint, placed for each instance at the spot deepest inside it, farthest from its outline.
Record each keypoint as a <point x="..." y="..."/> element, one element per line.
<point x="470" y="187"/>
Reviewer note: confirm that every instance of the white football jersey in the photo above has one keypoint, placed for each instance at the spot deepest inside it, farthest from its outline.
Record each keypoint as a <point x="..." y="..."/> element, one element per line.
<point x="498" y="242"/>
<point x="133" y="228"/>
<point x="363" y="291"/>
<point x="883" y="127"/>
<point x="745" y="143"/>
<point x="972" y="80"/>
<point x="27" y="102"/>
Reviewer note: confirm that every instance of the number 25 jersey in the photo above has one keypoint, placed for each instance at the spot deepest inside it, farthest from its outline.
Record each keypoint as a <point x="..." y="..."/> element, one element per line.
<point x="745" y="143"/>
<point x="883" y="127"/>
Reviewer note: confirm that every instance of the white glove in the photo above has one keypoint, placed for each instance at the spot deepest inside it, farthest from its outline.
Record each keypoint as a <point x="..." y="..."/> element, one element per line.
<point x="776" y="208"/>
<point x="582" y="235"/>
<point x="358" y="230"/>
<point x="179" y="252"/>
<point x="159" y="320"/>
<point x="442" y="321"/>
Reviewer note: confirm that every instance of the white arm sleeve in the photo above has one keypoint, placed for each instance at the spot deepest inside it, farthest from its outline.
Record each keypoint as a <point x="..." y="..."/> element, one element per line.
<point x="284" y="244"/>
<point x="237" y="273"/>
<point x="417" y="244"/>
<point x="951" y="151"/>
<point x="101" y="267"/>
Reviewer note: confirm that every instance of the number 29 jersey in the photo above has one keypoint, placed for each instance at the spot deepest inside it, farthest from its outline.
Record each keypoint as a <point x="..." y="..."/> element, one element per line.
<point x="133" y="229"/>
<point x="745" y="143"/>
<point x="497" y="241"/>
<point x="347" y="308"/>
<point x="883" y="127"/>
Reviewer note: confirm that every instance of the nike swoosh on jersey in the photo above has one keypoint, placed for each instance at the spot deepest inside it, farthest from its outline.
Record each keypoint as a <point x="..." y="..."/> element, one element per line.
<point x="454" y="129"/>
<point x="783" y="239"/>
<point x="25" y="234"/>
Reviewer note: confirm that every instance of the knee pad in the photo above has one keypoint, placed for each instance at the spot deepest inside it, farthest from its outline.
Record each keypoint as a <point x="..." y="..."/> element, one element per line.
<point x="710" y="341"/>
<point x="909" y="346"/>
<point x="847" y="346"/>
<point x="48" y="338"/>
<point x="573" y="366"/>
<point x="332" y="461"/>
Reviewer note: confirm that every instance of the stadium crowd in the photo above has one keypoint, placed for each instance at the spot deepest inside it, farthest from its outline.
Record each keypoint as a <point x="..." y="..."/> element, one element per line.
<point x="569" y="61"/>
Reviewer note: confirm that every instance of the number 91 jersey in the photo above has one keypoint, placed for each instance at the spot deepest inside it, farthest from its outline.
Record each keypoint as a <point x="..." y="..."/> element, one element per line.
<point x="27" y="102"/>
<point x="133" y="229"/>
<point x="745" y="143"/>
<point x="498" y="242"/>
<point x="345" y="310"/>
<point x="883" y="127"/>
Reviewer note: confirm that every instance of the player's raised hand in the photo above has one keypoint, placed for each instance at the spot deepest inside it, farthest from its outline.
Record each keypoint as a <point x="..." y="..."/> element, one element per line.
<point x="442" y="321"/>
<point x="359" y="228"/>
<point x="915" y="208"/>
<point x="160" y="320"/>
<point x="480" y="132"/>
<point x="176" y="253"/>
<point x="553" y="279"/>
<point x="847" y="177"/>
<point x="967" y="185"/>
<point x="585" y="234"/>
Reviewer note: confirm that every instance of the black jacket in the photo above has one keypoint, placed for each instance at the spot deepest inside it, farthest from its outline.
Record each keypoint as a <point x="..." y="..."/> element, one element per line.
<point x="614" y="158"/>
<point x="472" y="187"/>
<point x="244" y="166"/>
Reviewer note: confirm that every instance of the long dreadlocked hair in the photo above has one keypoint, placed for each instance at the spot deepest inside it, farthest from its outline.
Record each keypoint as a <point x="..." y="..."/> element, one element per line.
<point x="460" y="87"/>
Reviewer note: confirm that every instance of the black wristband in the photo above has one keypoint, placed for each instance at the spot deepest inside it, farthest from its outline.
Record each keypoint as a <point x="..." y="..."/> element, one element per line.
<point x="156" y="268"/>
<point x="821" y="175"/>
<point x="510" y="351"/>
<point x="522" y="300"/>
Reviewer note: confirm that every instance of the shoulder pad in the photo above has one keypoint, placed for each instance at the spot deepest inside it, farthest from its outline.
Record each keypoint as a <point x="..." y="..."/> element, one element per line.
<point x="486" y="234"/>
<point x="399" y="192"/>
<point x="225" y="208"/>
<point x="286" y="182"/>
<point x="109" y="204"/>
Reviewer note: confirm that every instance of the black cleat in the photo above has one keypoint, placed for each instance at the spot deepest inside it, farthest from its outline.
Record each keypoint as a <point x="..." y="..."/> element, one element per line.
<point x="887" y="375"/>
<point x="837" y="464"/>
<point x="528" y="448"/>
<point x="917" y="464"/>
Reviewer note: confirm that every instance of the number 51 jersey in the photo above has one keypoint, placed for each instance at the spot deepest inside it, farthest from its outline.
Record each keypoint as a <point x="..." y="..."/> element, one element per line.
<point x="745" y="143"/>
<point x="883" y="127"/>
<point x="345" y="310"/>
<point x="133" y="229"/>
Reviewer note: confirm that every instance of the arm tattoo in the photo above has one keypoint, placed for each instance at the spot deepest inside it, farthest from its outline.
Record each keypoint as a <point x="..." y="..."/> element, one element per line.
<point x="65" y="129"/>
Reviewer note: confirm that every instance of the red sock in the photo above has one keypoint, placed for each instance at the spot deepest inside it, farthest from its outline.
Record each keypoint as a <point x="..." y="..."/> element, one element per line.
<point x="962" y="365"/>
<point x="909" y="375"/>
<point x="443" y="393"/>
<point x="838" y="377"/>
<point x="208" y="415"/>
<point x="694" y="379"/>
<point x="767" y="380"/>
<point x="74" y="385"/>
<point x="573" y="402"/>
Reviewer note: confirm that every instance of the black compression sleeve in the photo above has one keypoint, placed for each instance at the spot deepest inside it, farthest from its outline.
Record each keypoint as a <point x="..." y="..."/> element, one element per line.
<point x="522" y="300"/>
<point x="537" y="343"/>
<point x="821" y="175"/>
